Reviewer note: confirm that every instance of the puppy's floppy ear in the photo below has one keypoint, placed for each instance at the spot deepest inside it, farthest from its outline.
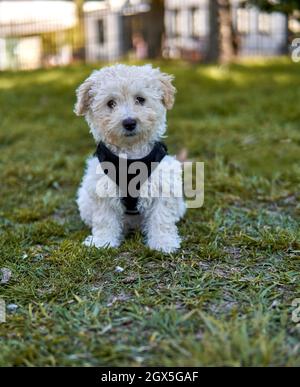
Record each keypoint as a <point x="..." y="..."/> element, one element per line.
<point x="168" y="90"/>
<point x="83" y="97"/>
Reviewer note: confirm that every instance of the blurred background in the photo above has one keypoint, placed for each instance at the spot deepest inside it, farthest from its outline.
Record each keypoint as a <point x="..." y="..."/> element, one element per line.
<point x="40" y="33"/>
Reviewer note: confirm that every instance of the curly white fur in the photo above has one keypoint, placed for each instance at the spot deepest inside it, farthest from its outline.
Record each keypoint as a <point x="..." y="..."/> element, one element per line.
<point x="99" y="207"/>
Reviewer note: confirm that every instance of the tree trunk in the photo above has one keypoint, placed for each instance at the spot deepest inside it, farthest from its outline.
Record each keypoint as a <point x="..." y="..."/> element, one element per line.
<point x="213" y="51"/>
<point x="285" y="48"/>
<point x="155" y="28"/>
<point x="226" y="32"/>
<point x="221" y="35"/>
<point x="79" y="38"/>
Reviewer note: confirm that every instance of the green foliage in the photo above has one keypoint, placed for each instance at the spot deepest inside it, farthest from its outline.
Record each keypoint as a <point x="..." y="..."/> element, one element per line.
<point x="225" y="298"/>
<point x="285" y="6"/>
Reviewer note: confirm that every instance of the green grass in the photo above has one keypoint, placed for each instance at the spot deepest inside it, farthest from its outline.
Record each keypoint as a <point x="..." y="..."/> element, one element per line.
<point x="225" y="298"/>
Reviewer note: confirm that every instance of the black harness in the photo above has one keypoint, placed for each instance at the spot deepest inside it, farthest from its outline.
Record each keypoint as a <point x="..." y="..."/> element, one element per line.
<point x="121" y="167"/>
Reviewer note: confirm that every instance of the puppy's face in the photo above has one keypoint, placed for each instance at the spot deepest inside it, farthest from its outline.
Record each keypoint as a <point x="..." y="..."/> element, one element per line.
<point x="126" y="105"/>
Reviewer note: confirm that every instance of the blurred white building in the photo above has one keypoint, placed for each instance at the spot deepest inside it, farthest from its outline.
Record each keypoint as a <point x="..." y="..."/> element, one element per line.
<point x="187" y="29"/>
<point x="36" y="33"/>
<point x="106" y="29"/>
<point x="26" y="27"/>
<point x="22" y="24"/>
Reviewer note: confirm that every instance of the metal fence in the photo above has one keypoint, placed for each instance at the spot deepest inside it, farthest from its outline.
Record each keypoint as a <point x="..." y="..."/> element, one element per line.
<point x="35" y="34"/>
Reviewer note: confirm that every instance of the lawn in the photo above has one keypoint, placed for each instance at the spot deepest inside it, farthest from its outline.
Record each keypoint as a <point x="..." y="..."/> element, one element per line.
<point x="224" y="299"/>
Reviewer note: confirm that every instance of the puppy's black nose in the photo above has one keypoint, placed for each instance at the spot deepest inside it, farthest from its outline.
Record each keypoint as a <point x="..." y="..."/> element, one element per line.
<point x="129" y="124"/>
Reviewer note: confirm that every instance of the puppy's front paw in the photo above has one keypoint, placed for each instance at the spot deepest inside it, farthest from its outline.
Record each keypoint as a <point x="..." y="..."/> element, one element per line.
<point x="99" y="243"/>
<point x="165" y="245"/>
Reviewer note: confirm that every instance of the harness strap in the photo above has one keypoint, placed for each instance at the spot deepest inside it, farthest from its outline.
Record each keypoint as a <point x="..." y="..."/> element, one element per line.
<point x="122" y="165"/>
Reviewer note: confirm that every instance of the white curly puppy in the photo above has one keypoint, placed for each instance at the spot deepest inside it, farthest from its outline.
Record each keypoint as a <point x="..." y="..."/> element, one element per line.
<point x="125" y="107"/>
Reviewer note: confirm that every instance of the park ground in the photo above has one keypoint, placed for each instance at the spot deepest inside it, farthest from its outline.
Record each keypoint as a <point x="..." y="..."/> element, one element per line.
<point x="224" y="299"/>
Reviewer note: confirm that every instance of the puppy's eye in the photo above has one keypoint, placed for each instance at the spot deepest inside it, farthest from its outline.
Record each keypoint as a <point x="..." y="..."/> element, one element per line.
<point x="111" y="104"/>
<point x="140" y="100"/>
